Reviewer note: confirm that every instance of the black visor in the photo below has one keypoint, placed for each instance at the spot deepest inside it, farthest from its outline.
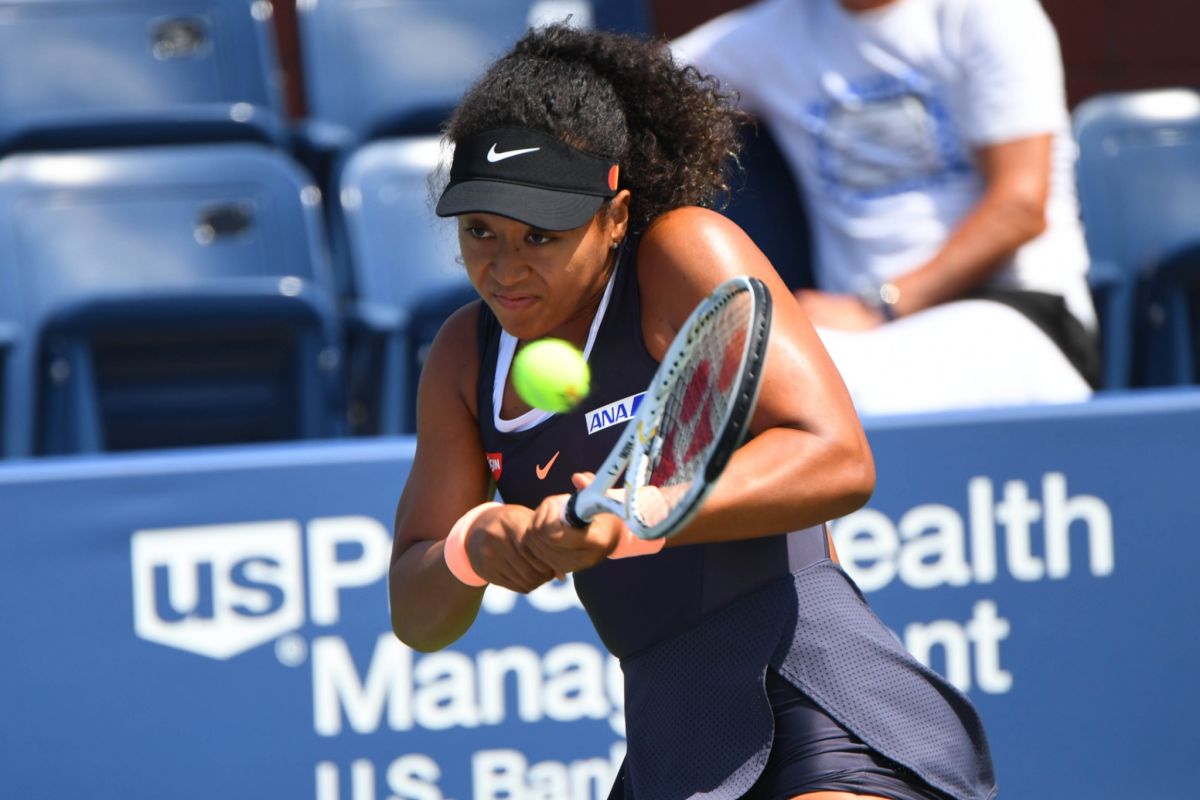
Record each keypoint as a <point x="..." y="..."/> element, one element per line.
<point x="528" y="176"/>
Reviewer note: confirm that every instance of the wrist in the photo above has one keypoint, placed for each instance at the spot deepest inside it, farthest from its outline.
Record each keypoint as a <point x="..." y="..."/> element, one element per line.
<point x="631" y="546"/>
<point x="882" y="298"/>
<point x="454" y="549"/>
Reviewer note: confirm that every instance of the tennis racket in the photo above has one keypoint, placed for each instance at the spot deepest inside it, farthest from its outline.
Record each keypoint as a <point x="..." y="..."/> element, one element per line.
<point x="694" y="415"/>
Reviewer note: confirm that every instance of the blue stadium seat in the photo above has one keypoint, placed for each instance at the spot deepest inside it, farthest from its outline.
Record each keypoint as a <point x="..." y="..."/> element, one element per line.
<point x="767" y="203"/>
<point x="1139" y="188"/>
<point x="160" y="297"/>
<point x="386" y="67"/>
<point x="10" y="336"/>
<point x="406" y="275"/>
<point x="98" y="72"/>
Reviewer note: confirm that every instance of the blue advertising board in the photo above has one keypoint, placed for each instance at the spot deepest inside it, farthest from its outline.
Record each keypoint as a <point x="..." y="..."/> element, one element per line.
<point x="214" y="623"/>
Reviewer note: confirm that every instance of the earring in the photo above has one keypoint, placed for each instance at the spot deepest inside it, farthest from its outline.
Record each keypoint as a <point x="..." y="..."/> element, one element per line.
<point x="614" y="245"/>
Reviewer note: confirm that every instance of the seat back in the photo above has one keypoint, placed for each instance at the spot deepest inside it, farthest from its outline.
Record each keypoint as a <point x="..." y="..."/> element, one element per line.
<point x="165" y="288"/>
<point x="86" y="66"/>
<point x="401" y="251"/>
<point x="12" y="330"/>
<point x="766" y="202"/>
<point x="406" y="268"/>
<point x="1139" y="187"/>
<point x="388" y="66"/>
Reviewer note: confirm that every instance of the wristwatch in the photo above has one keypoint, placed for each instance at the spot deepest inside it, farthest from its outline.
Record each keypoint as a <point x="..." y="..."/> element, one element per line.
<point x="881" y="297"/>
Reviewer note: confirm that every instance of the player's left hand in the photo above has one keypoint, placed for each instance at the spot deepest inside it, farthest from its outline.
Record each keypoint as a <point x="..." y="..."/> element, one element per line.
<point x="564" y="547"/>
<point x="844" y="312"/>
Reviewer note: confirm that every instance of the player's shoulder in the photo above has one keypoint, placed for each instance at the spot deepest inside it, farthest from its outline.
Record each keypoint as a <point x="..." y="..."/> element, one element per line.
<point x="686" y="252"/>
<point x="690" y="235"/>
<point x="452" y="363"/>
<point x="687" y="219"/>
<point x="459" y="334"/>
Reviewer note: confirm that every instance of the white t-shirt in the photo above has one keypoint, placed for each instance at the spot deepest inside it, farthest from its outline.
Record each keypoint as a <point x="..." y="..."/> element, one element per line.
<point x="880" y="112"/>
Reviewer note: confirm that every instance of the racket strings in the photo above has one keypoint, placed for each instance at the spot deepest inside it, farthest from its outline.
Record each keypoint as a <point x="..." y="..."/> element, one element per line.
<point x="699" y="402"/>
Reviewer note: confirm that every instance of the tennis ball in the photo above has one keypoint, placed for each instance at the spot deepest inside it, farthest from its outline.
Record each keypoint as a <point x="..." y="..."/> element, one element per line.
<point x="551" y="374"/>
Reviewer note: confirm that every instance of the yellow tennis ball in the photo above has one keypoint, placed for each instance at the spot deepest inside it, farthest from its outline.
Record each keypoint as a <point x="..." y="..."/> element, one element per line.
<point x="551" y="374"/>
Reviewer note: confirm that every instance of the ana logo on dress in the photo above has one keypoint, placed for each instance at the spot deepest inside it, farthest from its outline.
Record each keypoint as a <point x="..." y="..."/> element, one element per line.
<point x="613" y="413"/>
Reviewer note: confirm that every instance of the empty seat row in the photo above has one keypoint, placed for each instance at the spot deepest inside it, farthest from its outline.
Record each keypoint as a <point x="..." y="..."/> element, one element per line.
<point x="137" y="70"/>
<point x="166" y="276"/>
<point x="164" y="296"/>
<point x="195" y="294"/>
<point x="102" y="72"/>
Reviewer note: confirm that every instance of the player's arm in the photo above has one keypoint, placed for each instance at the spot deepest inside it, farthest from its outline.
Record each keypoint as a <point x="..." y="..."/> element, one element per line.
<point x="430" y="607"/>
<point x="806" y="459"/>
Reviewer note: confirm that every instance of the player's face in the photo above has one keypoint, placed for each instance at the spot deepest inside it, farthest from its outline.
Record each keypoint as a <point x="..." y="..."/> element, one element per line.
<point x="540" y="283"/>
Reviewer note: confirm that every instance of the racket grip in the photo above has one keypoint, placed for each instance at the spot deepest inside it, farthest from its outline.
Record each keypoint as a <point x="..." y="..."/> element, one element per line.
<point x="569" y="516"/>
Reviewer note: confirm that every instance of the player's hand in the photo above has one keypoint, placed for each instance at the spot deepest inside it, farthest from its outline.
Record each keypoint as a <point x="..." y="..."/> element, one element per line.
<point x="564" y="547"/>
<point x="495" y="550"/>
<point x="844" y="312"/>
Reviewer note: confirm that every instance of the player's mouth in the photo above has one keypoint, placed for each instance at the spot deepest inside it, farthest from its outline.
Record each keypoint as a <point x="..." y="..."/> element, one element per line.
<point x="514" y="302"/>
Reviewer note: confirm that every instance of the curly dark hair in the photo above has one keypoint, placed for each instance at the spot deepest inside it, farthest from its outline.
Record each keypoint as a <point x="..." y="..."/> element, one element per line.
<point x="673" y="131"/>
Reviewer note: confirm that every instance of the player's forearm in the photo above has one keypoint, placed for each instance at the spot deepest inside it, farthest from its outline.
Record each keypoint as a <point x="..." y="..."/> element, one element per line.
<point x="430" y="607"/>
<point x="981" y="245"/>
<point x="784" y="480"/>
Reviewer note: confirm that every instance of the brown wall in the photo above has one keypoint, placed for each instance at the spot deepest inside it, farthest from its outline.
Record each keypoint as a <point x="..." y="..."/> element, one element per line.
<point x="1108" y="45"/>
<point x="1112" y="45"/>
<point x="288" y="43"/>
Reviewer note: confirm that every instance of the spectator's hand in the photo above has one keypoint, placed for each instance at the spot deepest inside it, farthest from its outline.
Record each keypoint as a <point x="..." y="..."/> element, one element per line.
<point x="564" y="547"/>
<point x="838" y="311"/>
<point x="497" y="553"/>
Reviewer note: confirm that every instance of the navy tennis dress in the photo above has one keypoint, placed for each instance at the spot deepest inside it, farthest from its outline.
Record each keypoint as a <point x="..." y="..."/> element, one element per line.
<point x="737" y="655"/>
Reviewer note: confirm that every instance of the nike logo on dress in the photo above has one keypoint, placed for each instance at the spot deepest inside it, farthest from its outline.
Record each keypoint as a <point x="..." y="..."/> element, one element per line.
<point x="542" y="472"/>
<point x="493" y="156"/>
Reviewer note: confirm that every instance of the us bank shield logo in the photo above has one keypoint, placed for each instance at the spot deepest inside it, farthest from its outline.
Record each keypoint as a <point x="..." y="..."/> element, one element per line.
<point x="218" y="590"/>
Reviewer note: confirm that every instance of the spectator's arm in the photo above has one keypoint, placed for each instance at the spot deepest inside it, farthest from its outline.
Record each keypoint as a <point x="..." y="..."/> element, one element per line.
<point x="1011" y="212"/>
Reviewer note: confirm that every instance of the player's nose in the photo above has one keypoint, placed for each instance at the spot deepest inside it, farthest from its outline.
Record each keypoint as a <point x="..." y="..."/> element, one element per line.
<point x="508" y="266"/>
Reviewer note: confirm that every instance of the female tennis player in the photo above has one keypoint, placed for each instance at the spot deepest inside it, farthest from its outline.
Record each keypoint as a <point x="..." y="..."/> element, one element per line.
<point x="583" y="164"/>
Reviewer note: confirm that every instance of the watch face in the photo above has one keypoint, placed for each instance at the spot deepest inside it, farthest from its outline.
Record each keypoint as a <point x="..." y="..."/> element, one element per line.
<point x="889" y="293"/>
<point x="882" y="298"/>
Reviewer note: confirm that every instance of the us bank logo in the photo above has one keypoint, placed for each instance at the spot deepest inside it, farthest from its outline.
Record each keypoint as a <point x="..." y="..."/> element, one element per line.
<point x="222" y="590"/>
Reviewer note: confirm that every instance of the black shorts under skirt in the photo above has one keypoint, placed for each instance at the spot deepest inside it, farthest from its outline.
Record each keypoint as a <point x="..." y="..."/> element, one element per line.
<point x="796" y="687"/>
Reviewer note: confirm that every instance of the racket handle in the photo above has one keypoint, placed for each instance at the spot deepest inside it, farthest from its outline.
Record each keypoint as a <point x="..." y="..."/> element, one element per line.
<point x="569" y="515"/>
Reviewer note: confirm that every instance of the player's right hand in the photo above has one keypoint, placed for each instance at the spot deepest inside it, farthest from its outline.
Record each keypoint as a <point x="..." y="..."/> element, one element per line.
<point x="494" y="548"/>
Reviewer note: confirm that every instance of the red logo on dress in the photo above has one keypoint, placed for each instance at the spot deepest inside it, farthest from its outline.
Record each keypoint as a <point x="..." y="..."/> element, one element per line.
<point x="495" y="464"/>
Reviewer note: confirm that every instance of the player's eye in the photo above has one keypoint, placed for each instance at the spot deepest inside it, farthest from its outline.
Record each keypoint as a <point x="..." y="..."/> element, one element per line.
<point x="538" y="238"/>
<point x="476" y="232"/>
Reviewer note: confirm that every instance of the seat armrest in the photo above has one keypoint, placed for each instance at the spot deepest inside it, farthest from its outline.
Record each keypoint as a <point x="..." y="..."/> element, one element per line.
<point x="1103" y="274"/>
<point x="377" y="319"/>
<point x="196" y="123"/>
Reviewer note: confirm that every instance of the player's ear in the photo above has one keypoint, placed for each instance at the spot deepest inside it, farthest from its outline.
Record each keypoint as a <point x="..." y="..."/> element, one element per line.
<point x="618" y="216"/>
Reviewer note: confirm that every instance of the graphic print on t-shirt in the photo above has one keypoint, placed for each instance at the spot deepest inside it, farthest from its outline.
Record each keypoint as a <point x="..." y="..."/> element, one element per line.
<point x="882" y="137"/>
